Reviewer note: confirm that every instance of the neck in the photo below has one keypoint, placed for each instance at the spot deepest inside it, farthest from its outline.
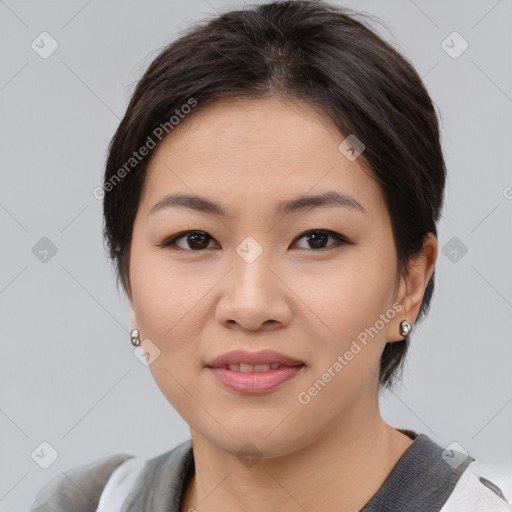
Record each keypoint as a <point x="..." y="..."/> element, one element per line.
<point x="341" y="470"/>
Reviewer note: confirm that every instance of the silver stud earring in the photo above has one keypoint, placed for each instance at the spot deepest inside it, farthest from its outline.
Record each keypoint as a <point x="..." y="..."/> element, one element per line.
<point x="405" y="328"/>
<point x="135" y="337"/>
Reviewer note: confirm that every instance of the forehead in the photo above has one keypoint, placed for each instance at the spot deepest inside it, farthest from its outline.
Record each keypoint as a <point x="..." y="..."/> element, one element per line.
<point x="243" y="152"/>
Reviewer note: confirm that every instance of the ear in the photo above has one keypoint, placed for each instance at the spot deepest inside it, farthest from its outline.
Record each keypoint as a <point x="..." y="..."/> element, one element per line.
<point x="412" y="287"/>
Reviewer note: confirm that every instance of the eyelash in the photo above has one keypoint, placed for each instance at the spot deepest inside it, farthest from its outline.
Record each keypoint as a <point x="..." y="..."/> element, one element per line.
<point x="170" y="243"/>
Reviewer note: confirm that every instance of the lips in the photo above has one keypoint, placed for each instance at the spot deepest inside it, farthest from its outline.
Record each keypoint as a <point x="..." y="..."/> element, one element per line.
<point x="249" y="368"/>
<point x="254" y="373"/>
<point x="247" y="362"/>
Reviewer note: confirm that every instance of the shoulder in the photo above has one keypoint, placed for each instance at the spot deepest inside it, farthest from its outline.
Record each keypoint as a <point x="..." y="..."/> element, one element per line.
<point x="159" y="483"/>
<point x="78" y="489"/>
<point x="431" y="477"/>
<point x="114" y="479"/>
<point x="476" y="491"/>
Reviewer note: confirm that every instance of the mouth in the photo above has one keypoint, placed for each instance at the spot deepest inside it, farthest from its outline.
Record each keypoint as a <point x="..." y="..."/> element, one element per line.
<point x="254" y="368"/>
<point x="243" y="361"/>
<point x="254" y="373"/>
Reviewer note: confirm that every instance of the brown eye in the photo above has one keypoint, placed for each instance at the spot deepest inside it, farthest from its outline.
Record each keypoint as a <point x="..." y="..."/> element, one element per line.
<point x="318" y="238"/>
<point x="196" y="240"/>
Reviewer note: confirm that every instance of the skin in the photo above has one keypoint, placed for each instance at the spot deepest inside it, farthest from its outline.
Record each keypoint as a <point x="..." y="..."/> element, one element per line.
<point x="308" y="302"/>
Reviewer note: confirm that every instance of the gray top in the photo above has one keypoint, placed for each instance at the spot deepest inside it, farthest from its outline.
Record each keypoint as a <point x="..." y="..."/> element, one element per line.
<point x="420" y="481"/>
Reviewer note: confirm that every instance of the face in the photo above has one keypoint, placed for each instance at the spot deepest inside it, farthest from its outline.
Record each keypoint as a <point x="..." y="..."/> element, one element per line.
<point x="311" y="283"/>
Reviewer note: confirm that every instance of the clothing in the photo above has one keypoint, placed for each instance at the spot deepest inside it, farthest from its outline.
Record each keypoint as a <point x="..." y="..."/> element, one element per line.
<point x="421" y="481"/>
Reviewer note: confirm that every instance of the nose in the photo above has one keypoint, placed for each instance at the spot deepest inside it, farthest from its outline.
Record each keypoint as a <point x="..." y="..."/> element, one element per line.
<point x="254" y="296"/>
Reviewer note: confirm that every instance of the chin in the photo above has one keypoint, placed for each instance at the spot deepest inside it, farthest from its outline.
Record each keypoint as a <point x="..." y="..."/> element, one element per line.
<point x="254" y="444"/>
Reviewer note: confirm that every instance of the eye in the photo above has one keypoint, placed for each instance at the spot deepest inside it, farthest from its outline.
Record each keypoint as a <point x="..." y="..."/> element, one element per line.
<point x="199" y="240"/>
<point x="318" y="237"/>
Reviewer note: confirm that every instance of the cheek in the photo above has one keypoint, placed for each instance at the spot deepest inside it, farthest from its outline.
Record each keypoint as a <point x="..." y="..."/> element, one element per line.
<point x="348" y="295"/>
<point x="169" y="312"/>
<point x="348" y="301"/>
<point x="350" y="337"/>
<point x="165" y="299"/>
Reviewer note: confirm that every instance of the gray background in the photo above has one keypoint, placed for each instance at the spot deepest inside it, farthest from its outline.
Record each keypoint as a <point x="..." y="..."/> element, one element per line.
<point x="68" y="376"/>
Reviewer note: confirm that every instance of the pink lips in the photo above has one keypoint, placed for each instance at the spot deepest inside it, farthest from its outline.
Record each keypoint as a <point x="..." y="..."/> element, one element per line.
<point x="257" y="381"/>
<point x="263" y="357"/>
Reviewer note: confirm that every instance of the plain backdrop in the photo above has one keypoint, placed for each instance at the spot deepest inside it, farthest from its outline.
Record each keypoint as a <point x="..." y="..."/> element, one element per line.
<point x="68" y="375"/>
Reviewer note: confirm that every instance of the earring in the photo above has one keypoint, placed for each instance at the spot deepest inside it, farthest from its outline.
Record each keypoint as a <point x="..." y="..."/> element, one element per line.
<point x="405" y="328"/>
<point x="135" y="337"/>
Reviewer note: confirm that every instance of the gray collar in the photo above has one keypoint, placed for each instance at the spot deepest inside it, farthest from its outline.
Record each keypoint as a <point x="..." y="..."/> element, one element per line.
<point x="422" y="480"/>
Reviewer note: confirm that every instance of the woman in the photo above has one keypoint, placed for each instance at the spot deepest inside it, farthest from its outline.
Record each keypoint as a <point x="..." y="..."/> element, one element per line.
<point x="270" y="200"/>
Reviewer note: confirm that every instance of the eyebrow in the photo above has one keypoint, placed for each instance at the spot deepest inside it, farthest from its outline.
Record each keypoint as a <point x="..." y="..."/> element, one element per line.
<point x="204" y="205"/>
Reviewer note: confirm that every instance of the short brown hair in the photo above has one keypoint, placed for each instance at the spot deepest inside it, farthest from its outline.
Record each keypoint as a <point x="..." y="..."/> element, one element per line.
<point x="314" y="52"/>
